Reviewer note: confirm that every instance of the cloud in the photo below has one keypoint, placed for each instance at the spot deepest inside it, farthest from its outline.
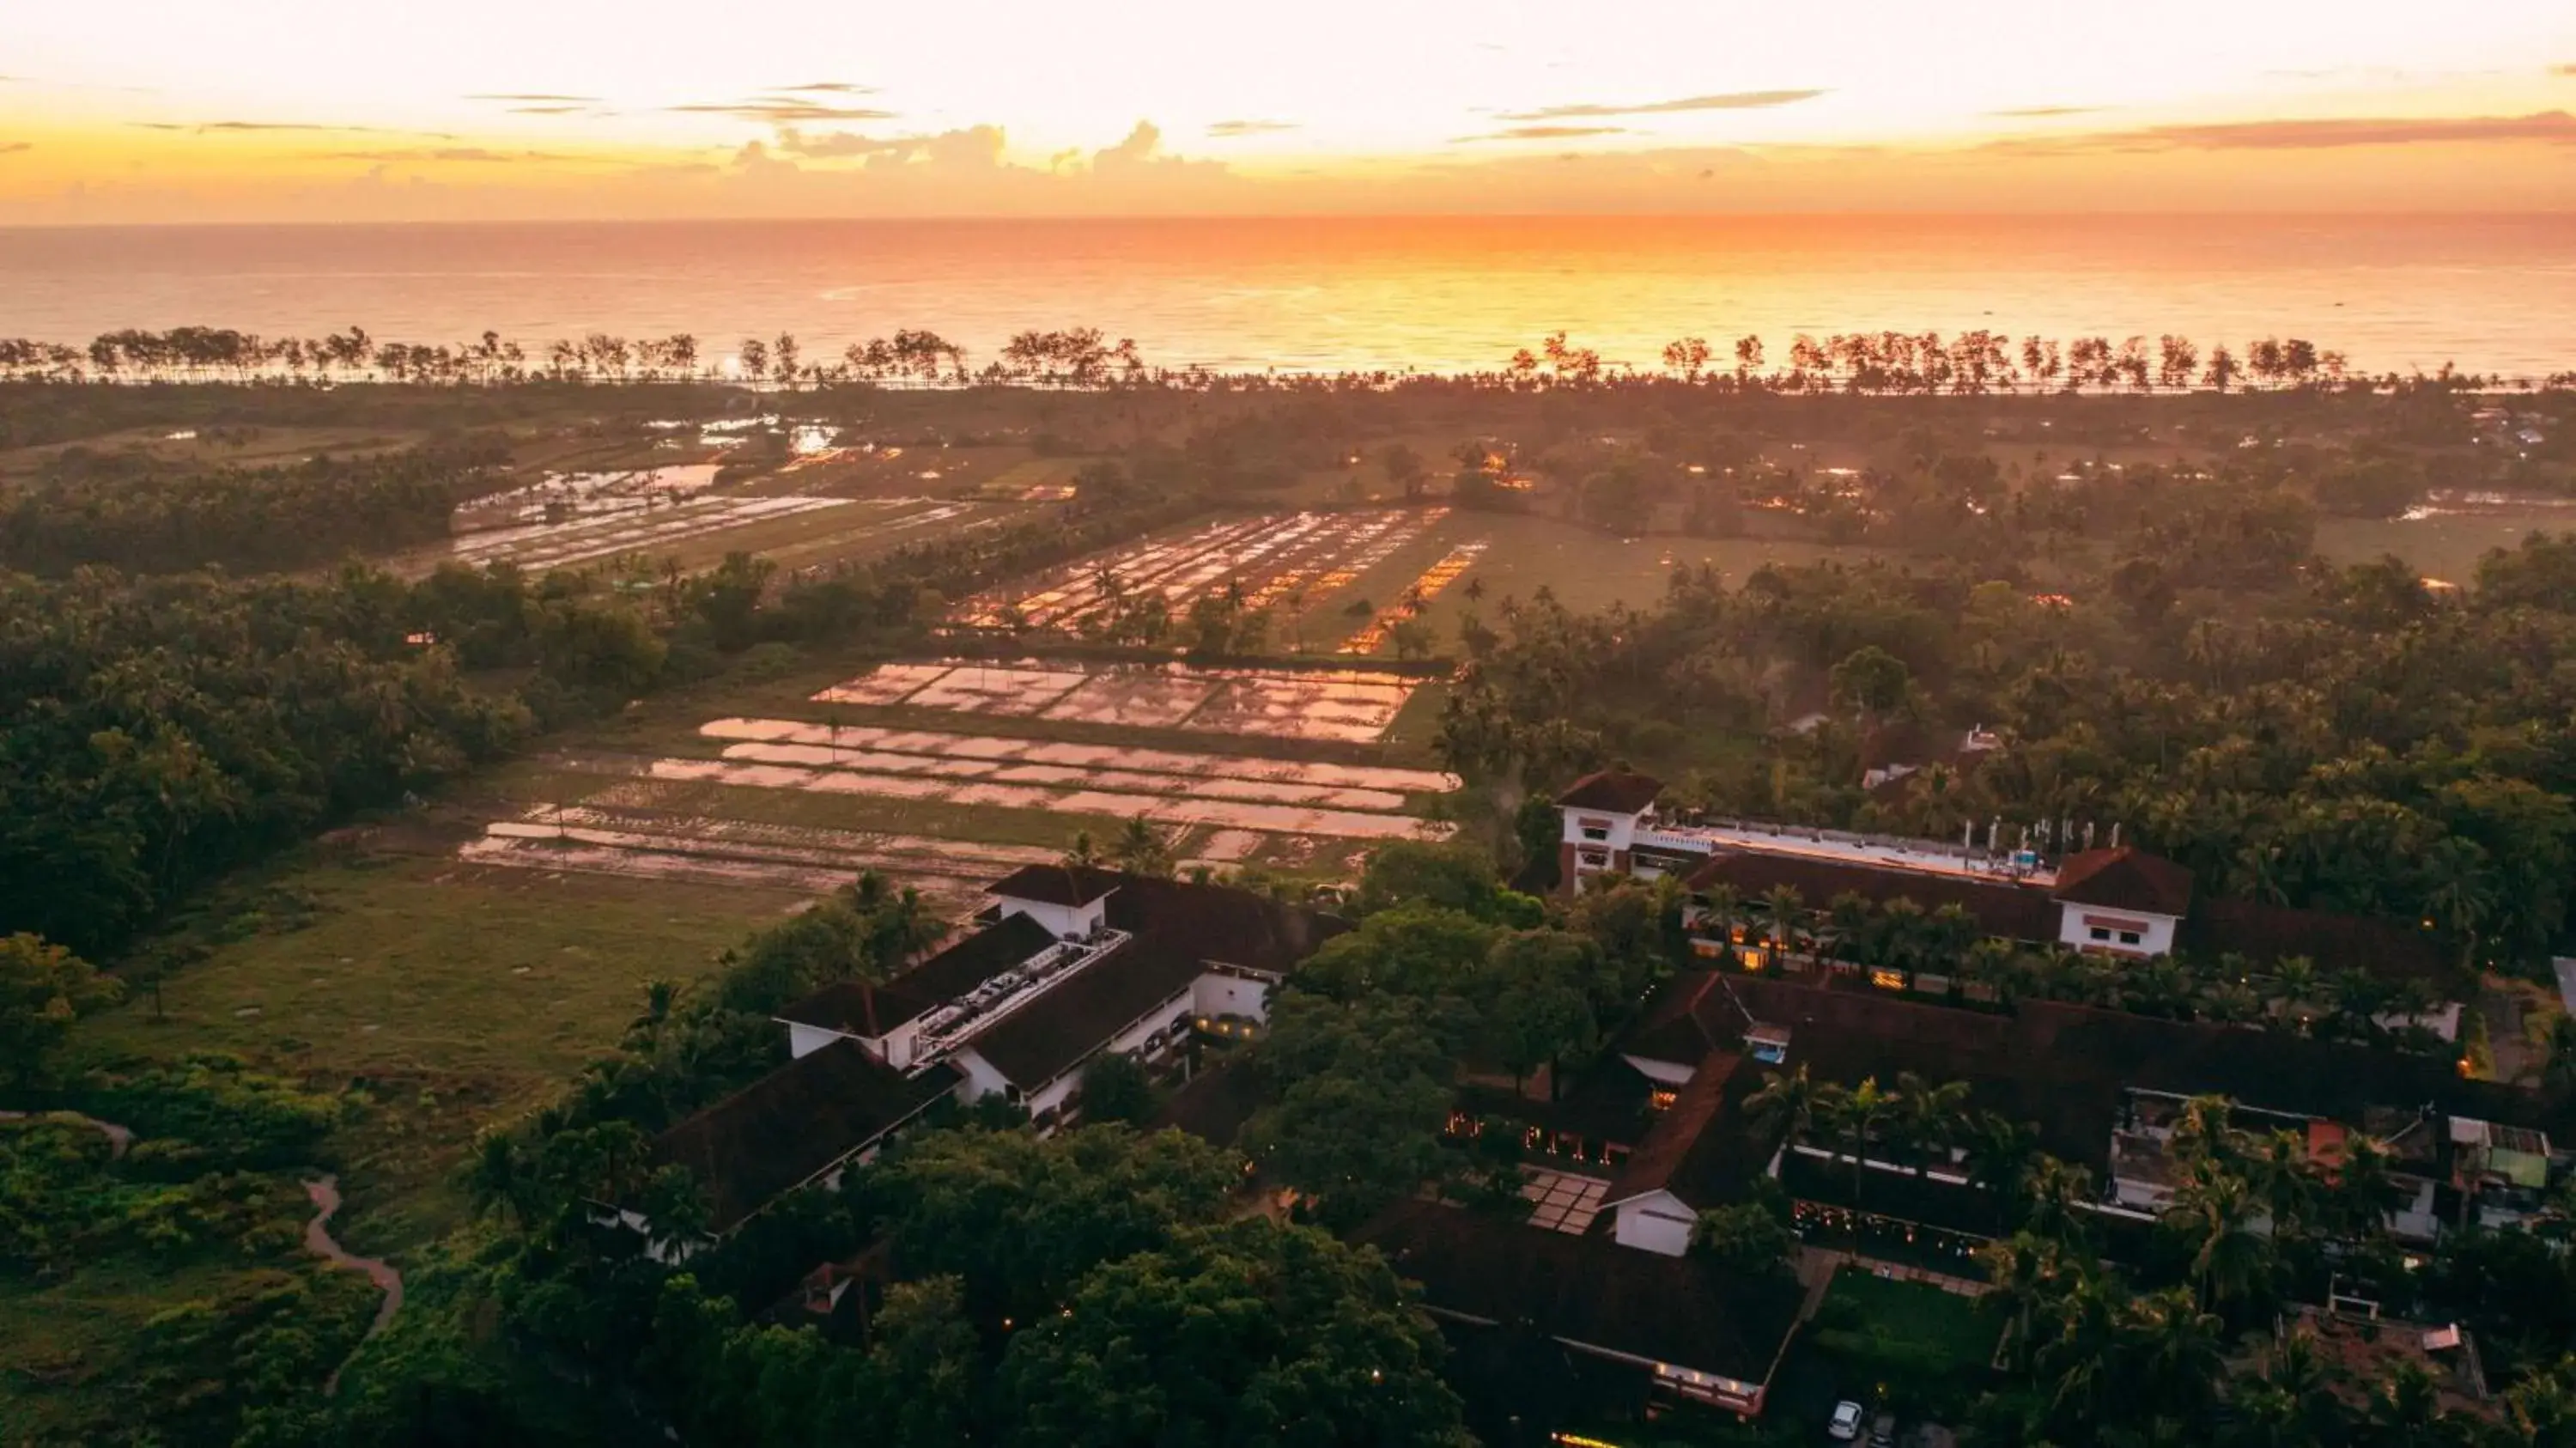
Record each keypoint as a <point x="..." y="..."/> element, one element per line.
<point x="444" y="153"/>
<point x="777" y="111"/>
<point x="12" y="148"/>
<point x="1726" y="101"/>
<point x="537" y="98"/>
<point x="1250" y="128"/>
<point x="2033" y="113"/>
<point x="831" y="145"/>
<point x="2568" y="70"/>
<point x="2309" y="135"/>
<point x="1543" y="133"/>
<point x="558" y="111"/>
<point x="828" y="87"/>
<point x="208" y="127"/>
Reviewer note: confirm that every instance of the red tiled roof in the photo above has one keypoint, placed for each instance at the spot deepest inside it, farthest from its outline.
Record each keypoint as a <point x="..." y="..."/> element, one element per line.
<point x="2011" y="911"/>
<point x="1683" y="1149"/>
<point x="1692" y="1014"/>
<point x="2125" y="879"/>
<point x="794" y="1124"/>
<point x="1616" y="791"/>
<point x="1590" y="1291"/>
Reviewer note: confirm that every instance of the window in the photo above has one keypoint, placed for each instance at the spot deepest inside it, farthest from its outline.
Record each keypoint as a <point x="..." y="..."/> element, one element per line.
<point x="1595" y="834"/>
<point x="2100" y="932"/>
<point x="2128" y="937"/>
<point x="1594" y="859"/>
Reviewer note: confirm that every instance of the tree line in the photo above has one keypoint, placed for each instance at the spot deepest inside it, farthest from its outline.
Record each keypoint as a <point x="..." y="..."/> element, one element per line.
<point x="2346" y="739"/>
<point x="134" y="512"/>
<point x="1978" y="362"/>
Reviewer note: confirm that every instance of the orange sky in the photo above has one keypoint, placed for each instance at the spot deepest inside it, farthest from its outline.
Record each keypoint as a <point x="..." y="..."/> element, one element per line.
<point x="251" y="110"/>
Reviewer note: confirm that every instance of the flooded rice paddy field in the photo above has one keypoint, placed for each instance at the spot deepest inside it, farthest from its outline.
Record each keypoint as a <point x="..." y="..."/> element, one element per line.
<point x="1346" y="705"/>
<point x="1272" y="560"/>
<point x="602" y="839"/>
<point x="1415" y="598"/>
<point x="714" y="523"/>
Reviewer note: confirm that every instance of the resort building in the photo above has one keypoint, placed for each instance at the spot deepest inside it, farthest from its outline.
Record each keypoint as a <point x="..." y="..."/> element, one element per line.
<point x="1070" y="963"/>
<point x="2115" y="900"/>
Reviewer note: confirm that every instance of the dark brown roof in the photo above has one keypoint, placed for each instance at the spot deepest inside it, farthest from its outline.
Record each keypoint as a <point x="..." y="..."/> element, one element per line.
<point x="2063" y="1068"/>
<point x="2011" y="911"/>
<point x="2125" y="879"/>
<point x="862" y="1010"/>
<point x="794" y="1124"/>
<point x="1683" y="1131"/>
<point x="1614" y="790"/>
<point x="1691" y="1015"/>
<point x="2390" y="949"/>
<point x="1219" y="922"/>
<point x="1058" y="884"/>
<point x="1054" y="1033"/>
<point x="1214" y="1106"/>
<point x="1589" y="1290"/>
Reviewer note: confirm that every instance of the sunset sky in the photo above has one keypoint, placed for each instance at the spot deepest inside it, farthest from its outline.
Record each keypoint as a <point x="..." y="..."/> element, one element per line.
<point x="251" y="110"/>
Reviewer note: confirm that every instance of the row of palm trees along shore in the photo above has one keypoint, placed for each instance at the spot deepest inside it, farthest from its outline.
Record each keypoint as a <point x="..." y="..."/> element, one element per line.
<point x="1974" y="363"/>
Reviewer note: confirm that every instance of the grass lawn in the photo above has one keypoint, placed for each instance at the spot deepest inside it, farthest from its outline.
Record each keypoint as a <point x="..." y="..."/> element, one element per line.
<point x="1916" y="1313"/>
<point x="2447" y="545"/>
<point x="452" y="995"/>
<point x="1590" y="570"/>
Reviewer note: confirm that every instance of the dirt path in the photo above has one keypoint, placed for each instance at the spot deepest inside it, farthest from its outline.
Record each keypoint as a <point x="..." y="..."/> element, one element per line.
<point x="325" y="1196"/>
<point x="119" y="1138"/>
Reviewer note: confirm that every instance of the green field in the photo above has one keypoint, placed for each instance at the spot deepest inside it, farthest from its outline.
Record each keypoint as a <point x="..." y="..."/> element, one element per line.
<point x="453" y="995"/>
<point x="2445" y="545"/>
<point x="1587" y="569"/>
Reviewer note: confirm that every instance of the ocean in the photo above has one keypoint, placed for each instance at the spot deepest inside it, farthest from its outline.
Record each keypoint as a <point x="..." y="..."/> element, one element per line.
<point x="2489" y="294"/>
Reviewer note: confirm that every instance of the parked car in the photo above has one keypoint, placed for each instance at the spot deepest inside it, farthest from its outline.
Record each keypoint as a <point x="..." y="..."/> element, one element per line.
<point x="1882" y="1434"/>
<point x="1846" y="1422"/>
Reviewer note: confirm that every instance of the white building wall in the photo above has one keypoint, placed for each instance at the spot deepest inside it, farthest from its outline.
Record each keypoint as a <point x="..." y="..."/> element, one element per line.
<point x="1175" y="1011"/>
<point x="1656" y="1222"/>
<point x="1667" y="1073"/>
<point x="1066" y="921"/>
<point x="981" y="1079"/>
<point x="2075" y="925"/>
<point x="803" y="1040"/>
<point x="1231" y="995"/>
<point x="1618" y="831"/>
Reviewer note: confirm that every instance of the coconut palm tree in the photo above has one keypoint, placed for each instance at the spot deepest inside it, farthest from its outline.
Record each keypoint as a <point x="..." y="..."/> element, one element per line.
<point x="1929" y="1117"/>
<point x="1084" y="853"/>
<point x="2055" y="1196"/>
<point x="2030" y="1274"/>
<point x="1782" y="908"/>
<point x="1722" y="908"/>
<point x="1787" y="1103"/>
<point x="2215" y="1212"/>
<point x="1140" y="849"/>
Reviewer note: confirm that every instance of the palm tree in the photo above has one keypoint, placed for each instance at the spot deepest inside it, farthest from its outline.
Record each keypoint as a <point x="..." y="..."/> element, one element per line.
<point x="2282" y="1180"/>
<point x="2181" y="1356"/>
<point x="1140" y="849"/>
<point x="1723" y="908"/>
<point x="1787" y="1103"/>
<point x="1930" y="1117"/>
<point x="2001" y="1152"/>
<point x="2029" y="1275"/>
<point x="1783" y="907"/>
<point x="2215" y="1211"/>
<point x="2203" y="1134"/>
<point x="1084" y="853"/>
<point x="2055" y="1194"/>
<point x="1857" y="1114"/>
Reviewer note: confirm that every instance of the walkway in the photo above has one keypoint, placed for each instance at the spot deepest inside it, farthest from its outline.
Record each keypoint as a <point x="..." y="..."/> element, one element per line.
<point x="119" y="1138"/>
<point x="325" y="1196"/>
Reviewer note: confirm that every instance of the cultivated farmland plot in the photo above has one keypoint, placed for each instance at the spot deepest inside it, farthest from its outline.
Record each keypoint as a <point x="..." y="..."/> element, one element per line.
<point x="598" y="839"/>
<point x="1267" y="558"/>
<point x="1350" y="705"/>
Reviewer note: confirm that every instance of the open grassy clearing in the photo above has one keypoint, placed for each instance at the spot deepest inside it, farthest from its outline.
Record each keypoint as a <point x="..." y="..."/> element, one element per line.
<point x="459" y="994"/>
<point x="2445" y="537"/>
<point x="1919" y="1314"/>
<point x="1589" y="570"/>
